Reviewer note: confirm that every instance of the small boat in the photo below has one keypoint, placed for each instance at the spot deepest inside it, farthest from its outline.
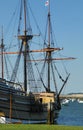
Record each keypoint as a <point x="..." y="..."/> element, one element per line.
<point x="73" y="99"/>
<point x="65" y="101"/>
<point x="26" y="93"/>
<point x="80" y="101"/>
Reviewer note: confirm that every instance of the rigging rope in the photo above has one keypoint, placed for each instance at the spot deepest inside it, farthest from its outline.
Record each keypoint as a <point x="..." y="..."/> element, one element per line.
<point x="54" y="78"/>
<point x="7" y="72"/>
<point x="8" y="61"/>
<point x="20" y="17"/>
<point x="40" y="76"/>
<point x="31" y="77"/>
<point x="60" y="54"/>
<point x="15" y="70"/>
<point x="58" y="73"/>
<point x="40" y="33"/>
<point x="45" y="34"/>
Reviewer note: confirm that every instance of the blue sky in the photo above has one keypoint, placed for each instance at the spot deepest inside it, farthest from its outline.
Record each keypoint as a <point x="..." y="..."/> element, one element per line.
<point x="67" y="16"/>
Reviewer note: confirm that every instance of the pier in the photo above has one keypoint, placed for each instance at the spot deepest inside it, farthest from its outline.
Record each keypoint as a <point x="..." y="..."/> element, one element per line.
<point x="71" y="96"/>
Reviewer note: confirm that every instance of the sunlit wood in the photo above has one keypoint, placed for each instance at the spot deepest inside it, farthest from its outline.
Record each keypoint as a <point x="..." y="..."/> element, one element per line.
<point x="42" y="50"/>
<point x="69" y="58"/>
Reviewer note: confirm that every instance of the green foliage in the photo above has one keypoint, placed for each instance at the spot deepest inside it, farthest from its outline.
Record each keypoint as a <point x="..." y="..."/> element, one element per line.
<point x="37" y="127"/>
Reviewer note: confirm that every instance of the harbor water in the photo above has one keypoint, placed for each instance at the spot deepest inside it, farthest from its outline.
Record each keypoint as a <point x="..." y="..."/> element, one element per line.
<point x="71" y="114"/>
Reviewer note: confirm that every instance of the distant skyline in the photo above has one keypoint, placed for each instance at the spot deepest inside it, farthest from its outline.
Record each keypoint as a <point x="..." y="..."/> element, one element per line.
<point x="67" y="18"/>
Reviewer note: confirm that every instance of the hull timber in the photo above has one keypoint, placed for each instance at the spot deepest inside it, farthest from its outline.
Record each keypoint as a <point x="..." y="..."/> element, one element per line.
<point x="33" y="107"/>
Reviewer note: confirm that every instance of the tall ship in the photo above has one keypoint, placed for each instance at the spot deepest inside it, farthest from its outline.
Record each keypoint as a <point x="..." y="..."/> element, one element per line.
<point x="28" y="85"/>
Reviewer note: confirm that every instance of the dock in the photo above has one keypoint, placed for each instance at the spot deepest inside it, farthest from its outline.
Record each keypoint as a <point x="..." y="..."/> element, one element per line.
<point x="71" y="96"/>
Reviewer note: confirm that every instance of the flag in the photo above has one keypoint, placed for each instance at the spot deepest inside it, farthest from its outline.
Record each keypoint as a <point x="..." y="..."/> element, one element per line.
<point x="47" y="3"/>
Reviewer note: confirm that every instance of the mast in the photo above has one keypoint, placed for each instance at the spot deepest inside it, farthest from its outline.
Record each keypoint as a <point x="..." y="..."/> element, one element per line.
<point x="25" y="47"/>
<point x="49" y="52"/>
<point x="25" y="39"/>
<point x="2" y="47"/>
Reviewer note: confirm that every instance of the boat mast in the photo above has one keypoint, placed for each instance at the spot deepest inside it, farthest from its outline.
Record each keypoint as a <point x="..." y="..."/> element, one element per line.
<point x="25" y="47"/>
<point x="49" y="52"/>
<point x="2" y="47"/>
<point x="25" y="38"/>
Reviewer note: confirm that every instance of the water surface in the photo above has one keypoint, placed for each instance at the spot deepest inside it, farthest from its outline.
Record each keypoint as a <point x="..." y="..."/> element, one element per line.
<point x="71" y="114"/>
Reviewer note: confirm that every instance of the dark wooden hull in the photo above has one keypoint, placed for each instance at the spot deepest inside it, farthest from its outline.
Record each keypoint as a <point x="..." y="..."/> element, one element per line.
<point x="15" y="105"/>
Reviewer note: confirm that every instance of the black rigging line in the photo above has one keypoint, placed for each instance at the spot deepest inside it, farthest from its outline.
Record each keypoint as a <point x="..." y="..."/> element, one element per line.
<point x="42" y="70"/>
<point x="52" y="41"/>
<point x="7" y="66"/>
<point x="29" y="29"/>
<point x="7" y="72"/>
<point x="46" y="33"/>
<point x="40" y="33"/>
<point x="64" y="84"/>
<point x="19" y="23"/>
<point x="20" y="18"/>
<point x="54" y="79"/>
<point x="14" y="74"/>
<point x="58" y="73"/>
<point x="10" y="22"/>
<point x="60" y="54"/>
<point x="40" y="76"/>
<point x="31" y="77"/>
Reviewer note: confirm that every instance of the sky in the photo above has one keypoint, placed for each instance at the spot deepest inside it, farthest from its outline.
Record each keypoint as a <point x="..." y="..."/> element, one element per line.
<point x="67" y="16"/>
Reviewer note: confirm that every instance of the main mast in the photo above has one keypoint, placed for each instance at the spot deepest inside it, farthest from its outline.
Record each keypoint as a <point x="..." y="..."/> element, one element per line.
<point x="25" y="39"/>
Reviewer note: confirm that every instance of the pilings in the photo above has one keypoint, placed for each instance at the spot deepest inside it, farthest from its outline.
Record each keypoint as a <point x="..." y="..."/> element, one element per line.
<point x="50" y="118"/>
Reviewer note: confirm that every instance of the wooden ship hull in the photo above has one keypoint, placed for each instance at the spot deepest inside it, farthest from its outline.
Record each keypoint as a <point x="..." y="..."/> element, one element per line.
<point x="30" y="108"/>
